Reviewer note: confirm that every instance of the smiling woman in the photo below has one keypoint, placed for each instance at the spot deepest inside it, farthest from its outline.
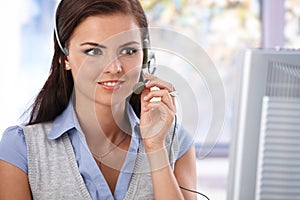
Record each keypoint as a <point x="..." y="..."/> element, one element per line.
<point x="107" y="62"/>
<point x="88" y="135"/>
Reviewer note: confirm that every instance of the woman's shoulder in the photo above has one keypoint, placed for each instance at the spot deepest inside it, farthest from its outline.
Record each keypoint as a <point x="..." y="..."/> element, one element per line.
<point x="184" y="134"/>
<point x="13" y="134"/>
<point x="14" y="129"/>
<point x="13" y="147"/>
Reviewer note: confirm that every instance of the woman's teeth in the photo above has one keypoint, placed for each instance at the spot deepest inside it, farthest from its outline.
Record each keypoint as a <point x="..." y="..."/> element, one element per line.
<point x="111" y="84"/>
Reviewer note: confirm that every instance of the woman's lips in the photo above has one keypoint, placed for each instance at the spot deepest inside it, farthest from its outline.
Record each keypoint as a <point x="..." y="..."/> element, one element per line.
<point x="111" y="85"/>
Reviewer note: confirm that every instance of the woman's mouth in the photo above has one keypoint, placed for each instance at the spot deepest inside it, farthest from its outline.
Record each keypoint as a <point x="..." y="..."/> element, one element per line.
<point x="111" y="85"/>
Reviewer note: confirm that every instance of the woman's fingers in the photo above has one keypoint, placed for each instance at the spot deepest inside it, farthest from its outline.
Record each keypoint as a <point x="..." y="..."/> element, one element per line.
<point x="162" y="96"/>
<point x="155" y="81"/>
<point x="156" y="119"/>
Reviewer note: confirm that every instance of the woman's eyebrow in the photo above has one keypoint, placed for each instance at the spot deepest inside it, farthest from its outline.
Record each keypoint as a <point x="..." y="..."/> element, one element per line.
<point x="93" y="44"/>
<point x="104" y="47"/>
<point x="129" y="43"/>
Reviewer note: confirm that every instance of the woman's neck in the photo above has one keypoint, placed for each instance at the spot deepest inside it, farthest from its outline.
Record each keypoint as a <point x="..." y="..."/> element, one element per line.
<point x="98" y="118"/>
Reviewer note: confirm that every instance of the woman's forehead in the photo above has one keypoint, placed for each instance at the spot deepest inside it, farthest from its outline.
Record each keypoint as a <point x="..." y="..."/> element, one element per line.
<point x="101" y="28"/>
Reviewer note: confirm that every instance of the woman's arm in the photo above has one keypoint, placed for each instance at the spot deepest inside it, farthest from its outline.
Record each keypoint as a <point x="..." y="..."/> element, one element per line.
<point x="186" y="175"/>
<point x="166" y="182"/>
<point x="13" y="183"/>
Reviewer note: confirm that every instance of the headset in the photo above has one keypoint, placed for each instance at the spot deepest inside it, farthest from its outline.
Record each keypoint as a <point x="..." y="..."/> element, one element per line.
<point x="149" y="62"/>
<point x="148" y="59"/>
<point x="62" y="48"/>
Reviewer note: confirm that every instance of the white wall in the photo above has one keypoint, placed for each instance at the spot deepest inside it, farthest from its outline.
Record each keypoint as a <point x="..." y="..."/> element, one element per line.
<point x="9" y="54"/>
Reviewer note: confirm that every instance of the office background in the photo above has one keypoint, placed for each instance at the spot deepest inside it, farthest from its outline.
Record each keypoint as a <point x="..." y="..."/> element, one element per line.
<point x="223" y="28"/>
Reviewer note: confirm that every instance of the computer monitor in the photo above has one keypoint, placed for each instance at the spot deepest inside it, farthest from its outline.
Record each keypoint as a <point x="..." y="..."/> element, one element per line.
<point x="265" y="149"/>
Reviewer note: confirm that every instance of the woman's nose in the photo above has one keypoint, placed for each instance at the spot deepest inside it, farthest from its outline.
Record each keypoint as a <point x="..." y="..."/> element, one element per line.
<point x="115" y="66"/>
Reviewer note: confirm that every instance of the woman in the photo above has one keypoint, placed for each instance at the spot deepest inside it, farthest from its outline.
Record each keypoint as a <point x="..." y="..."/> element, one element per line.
<point x="88" y="137"/>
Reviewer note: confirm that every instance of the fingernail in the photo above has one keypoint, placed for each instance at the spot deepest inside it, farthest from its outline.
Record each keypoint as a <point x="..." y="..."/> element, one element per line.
<point x="147" y="82"/>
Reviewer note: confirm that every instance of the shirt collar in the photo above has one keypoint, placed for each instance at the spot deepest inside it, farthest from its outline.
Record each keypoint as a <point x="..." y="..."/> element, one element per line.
<point x="64" y="122"/>
<point x="67" y="120"/>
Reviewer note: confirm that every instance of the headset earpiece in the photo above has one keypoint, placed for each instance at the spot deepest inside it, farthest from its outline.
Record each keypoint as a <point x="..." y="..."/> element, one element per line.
<point x="148" y="57"/>
<point x="146" y="46"/>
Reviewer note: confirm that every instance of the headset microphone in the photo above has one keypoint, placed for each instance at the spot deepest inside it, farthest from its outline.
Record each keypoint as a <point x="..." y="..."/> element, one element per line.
<point x="138" y="87"/>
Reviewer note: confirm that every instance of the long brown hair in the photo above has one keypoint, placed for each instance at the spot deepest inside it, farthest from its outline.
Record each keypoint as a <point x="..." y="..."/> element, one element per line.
<point x="56" y="92"/>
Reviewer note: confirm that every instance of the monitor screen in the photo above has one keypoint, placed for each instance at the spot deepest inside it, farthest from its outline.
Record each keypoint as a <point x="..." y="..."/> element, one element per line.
<point x="265" y="148"/>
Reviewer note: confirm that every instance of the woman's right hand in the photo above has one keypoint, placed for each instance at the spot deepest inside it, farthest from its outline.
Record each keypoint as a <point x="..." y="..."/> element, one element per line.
<point x="156" y="116"/>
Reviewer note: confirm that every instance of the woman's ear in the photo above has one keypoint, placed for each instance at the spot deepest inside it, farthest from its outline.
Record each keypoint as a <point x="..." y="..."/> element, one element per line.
<point x="67" y="65"/>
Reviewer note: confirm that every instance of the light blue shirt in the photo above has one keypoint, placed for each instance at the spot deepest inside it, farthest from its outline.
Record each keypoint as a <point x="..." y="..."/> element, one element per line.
<point x="13" y="150"/>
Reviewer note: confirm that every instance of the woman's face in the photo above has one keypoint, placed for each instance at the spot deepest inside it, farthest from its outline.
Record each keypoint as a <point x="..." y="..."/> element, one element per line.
<point x="105" y="57"/>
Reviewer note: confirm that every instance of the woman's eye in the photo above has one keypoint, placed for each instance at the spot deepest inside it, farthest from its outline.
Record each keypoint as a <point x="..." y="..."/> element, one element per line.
<point x="128" y="51"/>
<point x="94" y="52"/>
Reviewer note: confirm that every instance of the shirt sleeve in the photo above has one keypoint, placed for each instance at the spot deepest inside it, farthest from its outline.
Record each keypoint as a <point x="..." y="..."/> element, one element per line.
<point x="185" y="141"/>
<point x="13" y="148"/>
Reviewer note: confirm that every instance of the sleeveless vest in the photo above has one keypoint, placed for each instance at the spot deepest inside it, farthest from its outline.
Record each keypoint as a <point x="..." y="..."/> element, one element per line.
<point x="53" y="172"/>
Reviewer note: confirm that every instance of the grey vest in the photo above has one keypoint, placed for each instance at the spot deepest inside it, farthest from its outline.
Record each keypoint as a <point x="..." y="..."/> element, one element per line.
<point x="53" y="172"/>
